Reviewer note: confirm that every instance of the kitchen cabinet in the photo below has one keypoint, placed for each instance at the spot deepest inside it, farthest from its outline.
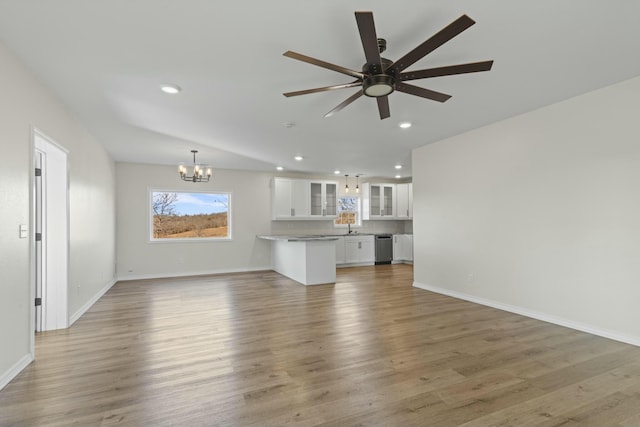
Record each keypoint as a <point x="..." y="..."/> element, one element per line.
<point x="379" y="201"/>
<point x="340" y="252"/>
<point x="359" y="250"/>
<point x="290" y="199"/>
<point x="303" y="199"/>
<point x="323" y="199"/>
<point x="307" y="260"/>
<point x="404" y="201"/>
<point x="402" y="247"/>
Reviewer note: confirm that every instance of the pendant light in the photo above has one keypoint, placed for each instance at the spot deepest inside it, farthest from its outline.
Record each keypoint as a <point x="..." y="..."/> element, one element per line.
<point x="357" y="184"/>
<point x="346" y="183"/>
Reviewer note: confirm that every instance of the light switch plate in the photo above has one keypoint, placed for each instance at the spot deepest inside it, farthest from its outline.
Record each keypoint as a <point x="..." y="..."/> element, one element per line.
<point x="24" y="231"/>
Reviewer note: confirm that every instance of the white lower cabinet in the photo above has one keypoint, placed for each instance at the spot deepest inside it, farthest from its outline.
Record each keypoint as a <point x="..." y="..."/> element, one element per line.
<point x="359" y="249"/>
<point x="403" y="247"/>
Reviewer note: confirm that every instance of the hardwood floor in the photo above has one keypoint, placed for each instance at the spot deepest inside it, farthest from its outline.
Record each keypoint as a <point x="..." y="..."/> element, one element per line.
<point x="257" y="349"/>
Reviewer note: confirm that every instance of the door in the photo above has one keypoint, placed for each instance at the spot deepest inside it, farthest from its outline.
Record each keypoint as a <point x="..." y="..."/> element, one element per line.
<point x="38" y="238"/>
<point x="317" y="199"/>
<point x="282" y="194"/>
<point x="331" y="199"/>
<point x="376" y="201"/>
<point x="388" y="200"/>
<point x="402" y="198"/>
<point x="301" y="199"/>
<point x="51" y="249"/>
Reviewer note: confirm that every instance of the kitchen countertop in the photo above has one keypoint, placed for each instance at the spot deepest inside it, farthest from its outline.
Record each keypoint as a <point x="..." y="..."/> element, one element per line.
<point x="306" y="237"/>
<point x="294" y="238"/>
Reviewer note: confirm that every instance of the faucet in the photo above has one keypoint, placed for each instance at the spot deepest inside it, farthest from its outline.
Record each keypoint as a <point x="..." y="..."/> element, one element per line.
<point x="349" y="227"/>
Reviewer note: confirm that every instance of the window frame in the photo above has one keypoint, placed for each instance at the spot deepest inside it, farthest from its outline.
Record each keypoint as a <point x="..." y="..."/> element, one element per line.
<point x="163" y="240"/>
<point x="358" y="223"/>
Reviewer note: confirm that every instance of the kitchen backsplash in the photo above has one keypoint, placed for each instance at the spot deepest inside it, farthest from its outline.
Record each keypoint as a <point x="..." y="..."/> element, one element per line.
<point x="327" y="227"/>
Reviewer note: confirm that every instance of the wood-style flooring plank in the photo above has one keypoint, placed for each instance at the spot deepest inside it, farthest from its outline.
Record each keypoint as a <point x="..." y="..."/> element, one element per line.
<point x="257" y="349"/>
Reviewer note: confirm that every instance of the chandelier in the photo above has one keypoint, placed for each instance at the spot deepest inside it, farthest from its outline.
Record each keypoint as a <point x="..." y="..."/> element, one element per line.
<point x="198" y="171"/>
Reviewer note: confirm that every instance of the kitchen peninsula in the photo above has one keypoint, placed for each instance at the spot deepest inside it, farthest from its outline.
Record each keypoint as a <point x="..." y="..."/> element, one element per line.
<point x="310" y="260"/>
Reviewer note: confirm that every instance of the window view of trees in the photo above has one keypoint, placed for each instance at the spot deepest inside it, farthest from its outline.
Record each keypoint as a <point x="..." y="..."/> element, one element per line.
<point x="348" y="211"/>
<point x="178" y="215"/>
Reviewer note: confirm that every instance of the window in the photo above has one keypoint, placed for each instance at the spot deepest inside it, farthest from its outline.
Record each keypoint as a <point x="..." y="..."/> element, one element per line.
<point x="187" y="216"/>
<point x="348" y="212"/>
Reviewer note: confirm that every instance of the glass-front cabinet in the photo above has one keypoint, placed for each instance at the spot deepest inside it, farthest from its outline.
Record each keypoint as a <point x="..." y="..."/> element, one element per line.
<point x="331" y="198"/>
<point x="388" y="205"/>
<point x="380" y="201"/>
<point x="324" y="198"/>
<point x="376" y="201"/>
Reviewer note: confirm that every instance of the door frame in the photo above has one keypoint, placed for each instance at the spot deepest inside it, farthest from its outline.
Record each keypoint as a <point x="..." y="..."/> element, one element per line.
<point x="58" y="308"/>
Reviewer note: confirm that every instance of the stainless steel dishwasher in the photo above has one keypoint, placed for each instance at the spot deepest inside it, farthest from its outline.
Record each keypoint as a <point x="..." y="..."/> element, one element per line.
<point x="384" y="248"/>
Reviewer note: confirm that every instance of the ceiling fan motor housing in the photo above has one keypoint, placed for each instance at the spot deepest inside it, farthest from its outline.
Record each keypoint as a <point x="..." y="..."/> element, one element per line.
<point x="378" y="83"/>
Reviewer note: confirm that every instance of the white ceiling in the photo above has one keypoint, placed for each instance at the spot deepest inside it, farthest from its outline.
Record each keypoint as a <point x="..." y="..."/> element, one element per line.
<point x="105" y="61"/>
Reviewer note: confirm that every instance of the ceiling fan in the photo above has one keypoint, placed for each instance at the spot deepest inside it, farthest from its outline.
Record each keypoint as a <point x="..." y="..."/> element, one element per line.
<point x="380" y="76"/>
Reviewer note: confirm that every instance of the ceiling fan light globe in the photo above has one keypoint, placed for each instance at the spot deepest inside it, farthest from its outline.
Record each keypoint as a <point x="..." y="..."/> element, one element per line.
<point x="378" y="85"/>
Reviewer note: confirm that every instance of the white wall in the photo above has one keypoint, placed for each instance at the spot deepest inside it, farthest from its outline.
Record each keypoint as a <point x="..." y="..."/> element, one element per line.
<point x="539" y="214"/>
<point x="25" y="105"/>
<point x="251" y="194"/>
<point x="251" y="216"/>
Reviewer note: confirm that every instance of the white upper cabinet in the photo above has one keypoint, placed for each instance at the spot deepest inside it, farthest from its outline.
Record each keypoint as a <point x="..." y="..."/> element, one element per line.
<point x="290" y="199"/>
<point x="379" y="201"/>
<point x="293" y="199"/>
<point x="324" y="199"/>
<point x="387" y="201"/>
<point x="404" y="201"/>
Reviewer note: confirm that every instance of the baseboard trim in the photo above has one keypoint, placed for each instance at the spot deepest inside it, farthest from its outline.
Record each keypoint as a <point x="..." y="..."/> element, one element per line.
<point x="13" y="372"/>
<point x="90" y="303"/>
<point x="125" y="278"/>
<point x="545" y="317"/>
<point x="355" y="264"/>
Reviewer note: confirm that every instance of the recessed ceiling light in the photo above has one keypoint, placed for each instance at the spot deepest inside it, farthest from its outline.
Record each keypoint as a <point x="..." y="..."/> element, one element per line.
<point x="279" y="168"/>
<point x="398" y="177"/>
<point x="288" y="125"/>
<point x="298" y="158"/>
<point x="398" y="166"/>
<point x="405" y="125"/>
<point x="337" y="172"/>
<point x="171" y="89"/>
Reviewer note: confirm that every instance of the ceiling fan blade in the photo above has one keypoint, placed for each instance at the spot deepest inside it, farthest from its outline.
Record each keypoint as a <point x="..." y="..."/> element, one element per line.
<point x="472" y="67"/>
<point x="323" y="64"/>
<point x="344" y="103"/>
<point x="322" y="89"/>
<point x="422" y="92"/>
<point x="369" y="39"/>
<point x="383" y="107"/>
<point x="431" y="44"/>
